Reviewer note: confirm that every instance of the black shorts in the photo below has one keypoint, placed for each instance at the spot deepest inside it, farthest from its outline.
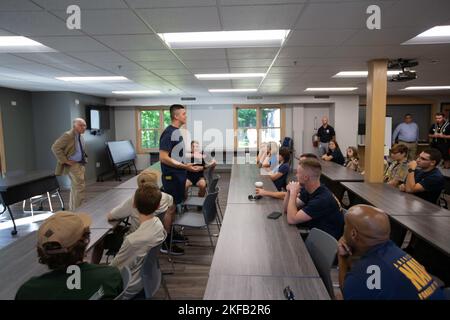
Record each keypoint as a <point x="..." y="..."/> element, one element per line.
<point x="195" y="177"/>
<point x="175" y="184"/>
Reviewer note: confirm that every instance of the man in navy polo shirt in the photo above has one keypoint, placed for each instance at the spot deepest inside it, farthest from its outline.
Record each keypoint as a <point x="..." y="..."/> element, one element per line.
<point x="311" y="205"/>
<point x="171" y="155"/>
<point x="428" y="181"/>
<point x="383" y="270"/>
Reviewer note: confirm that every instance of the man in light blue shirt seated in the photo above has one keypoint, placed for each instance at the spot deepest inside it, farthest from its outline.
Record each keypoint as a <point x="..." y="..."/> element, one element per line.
<point x="407" y="133"/>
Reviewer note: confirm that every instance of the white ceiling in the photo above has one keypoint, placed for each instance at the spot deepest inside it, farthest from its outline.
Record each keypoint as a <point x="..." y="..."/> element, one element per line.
<point x="118" y="38"/>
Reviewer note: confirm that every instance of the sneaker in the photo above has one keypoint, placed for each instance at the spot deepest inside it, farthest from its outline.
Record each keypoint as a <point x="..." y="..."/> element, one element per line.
<point x="176" y="250"/>
<point x="178" y="238"/>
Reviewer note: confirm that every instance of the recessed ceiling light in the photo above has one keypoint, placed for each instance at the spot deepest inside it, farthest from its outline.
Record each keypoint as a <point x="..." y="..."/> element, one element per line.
<point x="438" y="34"/>
<point x="225" y="39"/>
<point x="361" y="74"/>
<point x="427" y="88"/>
<point x="232" y="90"/>
<point x="138" y="92"/>
<point x="224" y="76"/>
<point x="332" y="89"/>
<point x="21" y="44"/>
<point x="87" y="79"/>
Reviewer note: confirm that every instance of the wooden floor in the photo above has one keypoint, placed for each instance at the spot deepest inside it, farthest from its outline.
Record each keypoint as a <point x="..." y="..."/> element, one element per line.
<point x="187" y="281"/>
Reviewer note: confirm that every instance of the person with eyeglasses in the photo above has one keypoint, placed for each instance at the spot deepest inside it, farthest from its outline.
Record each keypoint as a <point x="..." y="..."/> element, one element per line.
<point x="428" y="181"/>
<point x="395" y="174"/>
<point x="372" y="267"/>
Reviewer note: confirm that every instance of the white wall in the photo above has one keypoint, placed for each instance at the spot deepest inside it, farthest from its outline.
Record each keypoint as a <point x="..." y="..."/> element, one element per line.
<point x="215" y="114"/>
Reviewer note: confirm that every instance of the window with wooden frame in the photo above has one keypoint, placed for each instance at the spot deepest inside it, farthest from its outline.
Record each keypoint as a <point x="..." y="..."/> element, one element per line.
<point x="254" y="124"/>
<point x="150" y="123"/>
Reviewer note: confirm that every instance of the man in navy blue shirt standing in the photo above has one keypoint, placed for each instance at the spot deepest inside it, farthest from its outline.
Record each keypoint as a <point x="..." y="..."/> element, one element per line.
<point x="372" y="267"/>
<point x="171" y="156"/>
<point x="311" y="205"/>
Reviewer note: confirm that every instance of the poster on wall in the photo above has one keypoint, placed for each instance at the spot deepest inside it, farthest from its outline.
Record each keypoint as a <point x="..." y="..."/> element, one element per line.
<point x="445" y="109"/>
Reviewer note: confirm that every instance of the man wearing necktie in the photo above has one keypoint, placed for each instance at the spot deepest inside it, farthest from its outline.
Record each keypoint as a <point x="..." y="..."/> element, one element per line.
<point x="70" y="152"/>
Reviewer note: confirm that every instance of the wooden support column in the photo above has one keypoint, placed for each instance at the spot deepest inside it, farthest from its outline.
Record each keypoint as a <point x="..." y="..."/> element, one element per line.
<point x="375" y="120"/>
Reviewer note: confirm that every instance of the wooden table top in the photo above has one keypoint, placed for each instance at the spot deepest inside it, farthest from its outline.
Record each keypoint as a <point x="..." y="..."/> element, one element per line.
<point x="393" y="201"/>
<point x="432" y="229"/>
<point x="338" y="173"/>
<point x="101" y="205"/>
<point x="242" y="184"/>
<point x="223" y="287"/>
<point x="132" y="182"/>
<point x="251" y="244"/>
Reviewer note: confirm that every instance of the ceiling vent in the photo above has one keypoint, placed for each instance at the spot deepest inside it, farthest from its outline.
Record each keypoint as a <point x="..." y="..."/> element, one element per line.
<point x="188" y="98"/>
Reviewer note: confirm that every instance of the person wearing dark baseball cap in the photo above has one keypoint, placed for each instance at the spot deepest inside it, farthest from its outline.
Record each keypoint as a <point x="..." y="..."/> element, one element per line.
<point x="62" y="242"/>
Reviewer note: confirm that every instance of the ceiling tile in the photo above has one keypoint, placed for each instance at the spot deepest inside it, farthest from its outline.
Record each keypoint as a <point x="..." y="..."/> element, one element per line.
<point x="18" y="5"/>
<point x="34" y="23"/>
<point x="258" y="2"/>
<point x="342" y="15"/>
<point x="84" y="4"/>
<point x="170" y="3"/>
<point x="200" y="54"/>
<point x="71" y="44"/>
<point x="104" y="22"/>
<point x="252" y="53"/>
<point x="131" y="42"/>
<point x="196" y="64"/>
<point x="305" y="52"/>
<point x="245" y="63"/>
<point x="259" y="17"/>
<point x="149" y="55"/>
<point x="319" y="37"/>
<point x="182" y="19"/>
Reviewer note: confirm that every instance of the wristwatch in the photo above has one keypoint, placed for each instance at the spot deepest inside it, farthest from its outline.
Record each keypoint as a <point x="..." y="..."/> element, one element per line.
<point x="411" y="170"/>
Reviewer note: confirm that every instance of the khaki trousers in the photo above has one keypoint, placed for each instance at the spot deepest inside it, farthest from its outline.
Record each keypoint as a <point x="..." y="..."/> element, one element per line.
<point x="412" y="149"/>
<point x="76" y="175"/>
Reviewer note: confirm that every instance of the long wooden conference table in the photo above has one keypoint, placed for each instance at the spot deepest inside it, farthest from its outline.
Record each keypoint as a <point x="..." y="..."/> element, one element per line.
<point x="257" y="257"/>
<point x="334" y="174"/>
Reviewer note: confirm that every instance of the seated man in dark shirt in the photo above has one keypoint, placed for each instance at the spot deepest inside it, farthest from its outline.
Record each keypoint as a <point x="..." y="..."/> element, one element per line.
<point x="428" y="181"/>
<point x="62" y="242"/>
<point x="311" y="205"/>
<point x="281" y="194"/>
<point x="383" y="271"/>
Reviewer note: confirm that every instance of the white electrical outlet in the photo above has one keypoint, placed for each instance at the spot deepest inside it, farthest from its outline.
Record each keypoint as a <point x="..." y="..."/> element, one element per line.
<point x="97" y="164"/>
<point x="13" y="103"/>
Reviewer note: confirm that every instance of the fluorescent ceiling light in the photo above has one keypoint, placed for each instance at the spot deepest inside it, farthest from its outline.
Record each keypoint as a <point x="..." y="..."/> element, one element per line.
<point x="361" y="74"/>
<point x="332" y="89"/>
<point x="138" y="92"/>
<point x="225" y="39"/>
<point x="232" y="90"/>
<point x="224" y="76"/>
<point x="427" y="88"/>
<point x="87" y="79"/>
<point x="438" y="34"/>
<point x="21" y="44"/>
